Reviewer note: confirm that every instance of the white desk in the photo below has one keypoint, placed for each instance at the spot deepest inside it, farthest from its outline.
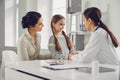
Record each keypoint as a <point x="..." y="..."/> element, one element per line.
<point x="34" y="68"/>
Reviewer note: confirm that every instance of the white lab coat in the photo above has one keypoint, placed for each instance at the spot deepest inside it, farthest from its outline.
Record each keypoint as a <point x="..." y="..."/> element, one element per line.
<point x="99" y="48"/>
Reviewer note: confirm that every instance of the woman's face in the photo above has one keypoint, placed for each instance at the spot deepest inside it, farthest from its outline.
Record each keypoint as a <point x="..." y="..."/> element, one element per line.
<point x="87" y="22"/>
<point x="59" y="26"/>
<point x="38" y="27"/>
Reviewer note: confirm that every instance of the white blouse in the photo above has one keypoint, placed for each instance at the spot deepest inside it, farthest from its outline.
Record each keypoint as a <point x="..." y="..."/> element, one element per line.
<point x="27" y="50"/>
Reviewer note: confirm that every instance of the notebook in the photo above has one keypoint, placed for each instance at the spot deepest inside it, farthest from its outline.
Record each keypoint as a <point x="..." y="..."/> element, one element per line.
<point x="61" y="65"/>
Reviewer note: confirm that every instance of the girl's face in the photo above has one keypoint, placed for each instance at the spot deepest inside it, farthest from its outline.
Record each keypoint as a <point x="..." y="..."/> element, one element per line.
<point x="87" y="23"/>
<point x="59" y="26"/>
<point x="38" y="27"/>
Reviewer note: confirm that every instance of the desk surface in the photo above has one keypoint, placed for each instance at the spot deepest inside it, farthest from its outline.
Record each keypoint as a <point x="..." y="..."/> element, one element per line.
<point x="35" y="67"/>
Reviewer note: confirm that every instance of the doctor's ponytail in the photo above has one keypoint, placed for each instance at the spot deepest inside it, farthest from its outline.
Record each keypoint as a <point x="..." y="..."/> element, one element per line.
<point x="113" y="38"/>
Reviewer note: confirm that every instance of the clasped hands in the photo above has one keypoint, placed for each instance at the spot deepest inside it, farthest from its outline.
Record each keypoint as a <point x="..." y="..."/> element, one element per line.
<point x="71" y="54"/>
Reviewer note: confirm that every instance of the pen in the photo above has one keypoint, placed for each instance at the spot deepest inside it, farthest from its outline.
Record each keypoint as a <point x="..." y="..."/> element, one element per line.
<point x="55" y="64"/>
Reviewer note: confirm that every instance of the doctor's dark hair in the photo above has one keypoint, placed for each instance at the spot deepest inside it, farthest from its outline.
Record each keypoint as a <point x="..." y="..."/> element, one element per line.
<point x="95" y="15"/>
<point x="30" y="19"/>
<point x="55" y="19"/>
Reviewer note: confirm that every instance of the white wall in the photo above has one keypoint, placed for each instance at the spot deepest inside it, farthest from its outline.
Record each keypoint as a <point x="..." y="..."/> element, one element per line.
<point x="114" y="17"/>
<point x="10" y="25"/>
<point x="31" y="5"/>
<point x="45" y="8"/>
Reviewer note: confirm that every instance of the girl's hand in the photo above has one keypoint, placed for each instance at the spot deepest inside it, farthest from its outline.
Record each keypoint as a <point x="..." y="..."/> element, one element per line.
<point x="69" y="56"/>
<point x="73" y="53"/>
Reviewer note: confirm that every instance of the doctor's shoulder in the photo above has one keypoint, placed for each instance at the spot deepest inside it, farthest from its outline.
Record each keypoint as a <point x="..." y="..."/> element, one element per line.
<point x="100" y="32"/>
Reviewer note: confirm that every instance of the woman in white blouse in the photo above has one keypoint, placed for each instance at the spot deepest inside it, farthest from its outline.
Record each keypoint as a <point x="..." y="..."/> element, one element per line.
<point x="29" y="43"/>
<point x="102" y="43"/>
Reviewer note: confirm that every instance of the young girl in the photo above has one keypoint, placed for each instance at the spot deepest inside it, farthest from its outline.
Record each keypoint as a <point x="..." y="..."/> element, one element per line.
<point x="60" y="45"/>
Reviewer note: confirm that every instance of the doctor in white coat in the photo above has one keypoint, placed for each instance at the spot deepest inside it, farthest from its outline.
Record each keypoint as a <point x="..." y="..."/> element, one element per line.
<point x="102" y="43"/>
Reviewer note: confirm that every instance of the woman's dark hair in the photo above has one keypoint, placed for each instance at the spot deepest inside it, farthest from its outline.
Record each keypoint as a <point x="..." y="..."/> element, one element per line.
<point x="30" y="19"/>
<point x="55" y="19"/>
<point x="95" y="15"/>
